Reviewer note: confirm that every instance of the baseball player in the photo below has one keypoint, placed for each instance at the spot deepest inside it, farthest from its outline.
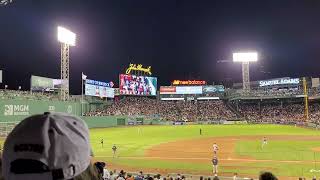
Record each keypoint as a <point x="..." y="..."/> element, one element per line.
<point x="139" y="131"/>
<point x="114" y="149"/>
<point x="215" y="165"/>
<point x="101" y="142"/>
<point x="264" y="142"/>
<point x="215" y="148"/>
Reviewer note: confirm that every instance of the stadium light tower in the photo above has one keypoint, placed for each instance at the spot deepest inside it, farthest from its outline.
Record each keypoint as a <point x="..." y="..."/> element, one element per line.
<point x="245" y="58"/>
<point x="66" y="38"/>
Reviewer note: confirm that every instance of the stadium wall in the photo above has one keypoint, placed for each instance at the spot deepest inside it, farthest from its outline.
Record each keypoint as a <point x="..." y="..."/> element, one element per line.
<point x="104" y="121"/>
<point x="15" y="110"/>
<point x="112" y="121"/>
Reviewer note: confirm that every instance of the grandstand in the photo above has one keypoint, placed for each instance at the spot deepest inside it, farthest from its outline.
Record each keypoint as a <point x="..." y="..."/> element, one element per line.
<point x="284" y="104"/>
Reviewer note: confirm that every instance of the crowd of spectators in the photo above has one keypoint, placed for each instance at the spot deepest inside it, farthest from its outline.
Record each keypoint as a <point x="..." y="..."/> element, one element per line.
<point x="122" y="175"/>
<point x="168" y="110"/>
<point x="34" y="95"/>
<point x="213" y="110"/>
<point x="275" y="112"/>
<point x="314" y="113"/>
<point x="13" y="94"/>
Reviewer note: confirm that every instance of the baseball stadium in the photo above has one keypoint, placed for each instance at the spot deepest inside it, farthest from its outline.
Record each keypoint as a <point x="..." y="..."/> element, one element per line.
<point x="171" y="130"/>
<point x="169" y="118"/>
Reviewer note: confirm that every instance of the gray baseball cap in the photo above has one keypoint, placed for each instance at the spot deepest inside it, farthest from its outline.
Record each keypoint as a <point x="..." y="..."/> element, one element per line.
<point x="46" y="146"/>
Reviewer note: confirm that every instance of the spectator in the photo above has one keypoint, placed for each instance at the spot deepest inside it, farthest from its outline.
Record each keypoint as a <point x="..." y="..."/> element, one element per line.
<point x="41" y="151"/>
<point x="235" y="175"/>
<point x="106" y="175"/>
<point x="91" y="173"/>
<point x="113" y="175"/>
<point x="140" y="176"/>
<point x="267" y="176"/>
<point x="129" y="177"/>
<point x="100" y="167"/>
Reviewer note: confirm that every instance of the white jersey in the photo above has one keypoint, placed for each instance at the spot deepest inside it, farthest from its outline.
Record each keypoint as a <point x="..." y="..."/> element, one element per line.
<point x="215" y="147"/>
<point x="265" y="141"/>
<point x="106" y="174"/>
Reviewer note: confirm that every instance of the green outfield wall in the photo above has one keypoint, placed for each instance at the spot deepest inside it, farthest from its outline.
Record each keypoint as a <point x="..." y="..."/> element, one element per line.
<point x="16" y="110"/>
<point x="104" y="121"/>
<point x="112" y="121"/>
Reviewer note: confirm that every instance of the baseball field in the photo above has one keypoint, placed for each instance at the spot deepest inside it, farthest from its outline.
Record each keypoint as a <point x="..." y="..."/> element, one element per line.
<point x="291" y="151"/>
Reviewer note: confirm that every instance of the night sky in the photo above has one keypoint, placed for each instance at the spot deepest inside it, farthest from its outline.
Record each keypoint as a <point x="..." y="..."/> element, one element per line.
<point x="180" y="39"/>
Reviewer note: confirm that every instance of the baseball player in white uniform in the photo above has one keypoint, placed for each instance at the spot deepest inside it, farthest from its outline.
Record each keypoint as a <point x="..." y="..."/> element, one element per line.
<point x="264" y="142"/>
<point x="215" y="148"/>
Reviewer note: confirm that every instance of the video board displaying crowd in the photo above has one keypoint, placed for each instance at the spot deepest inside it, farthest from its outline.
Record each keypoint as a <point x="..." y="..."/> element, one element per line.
<point x="137" y="85"/>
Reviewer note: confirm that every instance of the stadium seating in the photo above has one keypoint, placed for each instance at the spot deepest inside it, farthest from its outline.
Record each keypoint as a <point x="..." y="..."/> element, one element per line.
<point x="27" y="95"/>
<point x="168" y="110"/>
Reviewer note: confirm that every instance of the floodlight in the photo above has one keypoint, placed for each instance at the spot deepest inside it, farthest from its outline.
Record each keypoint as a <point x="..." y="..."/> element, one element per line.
<point x="66" y="36"/>
<point x="245" y="57"/>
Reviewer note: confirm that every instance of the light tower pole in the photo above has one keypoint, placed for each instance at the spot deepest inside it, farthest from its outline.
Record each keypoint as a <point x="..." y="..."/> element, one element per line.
<point x="67" y="39"/>
<point x="245" y="58"/>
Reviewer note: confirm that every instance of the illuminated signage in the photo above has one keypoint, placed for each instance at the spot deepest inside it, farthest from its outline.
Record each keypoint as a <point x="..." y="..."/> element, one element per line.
<point x="181" y="90"/>
<point x="99" y="83"/>
<point x="167" y="90"/>
<point x="213" y="89"/>
<point x="138" y="67"/>
<point x="99" y="89"/>
<point x="188" y="82"/>
<point x="279" y="82"/>
<point x="137" y="85"/>
<point x="189" y="90"/>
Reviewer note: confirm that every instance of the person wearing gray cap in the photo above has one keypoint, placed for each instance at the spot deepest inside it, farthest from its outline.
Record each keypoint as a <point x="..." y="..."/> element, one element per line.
<point x="47" y="146"/>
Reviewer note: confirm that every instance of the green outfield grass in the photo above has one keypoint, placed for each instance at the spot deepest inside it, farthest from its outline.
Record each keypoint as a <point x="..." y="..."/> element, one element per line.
<point x="132" y="144"/>
<point x="288" y="157"/>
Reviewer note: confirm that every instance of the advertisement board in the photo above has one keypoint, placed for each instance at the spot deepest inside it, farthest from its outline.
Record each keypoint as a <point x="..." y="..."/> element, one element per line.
<point x="181" y="90"/>
<point x="213" y="89"/>
<point x="99" y="91"/>
<point x="314" y="81"/>
<point x="189" y="82"/>
<point x="99" y="83"/>
<point x="189" y="90"/>
<point x="280" y="81"/>
<point x="167" y="90"/>
<point x="137" y="85"/>
<point x="39" y="83"/>
<point x="99" y="88"/>
<point x="116" y="91"/>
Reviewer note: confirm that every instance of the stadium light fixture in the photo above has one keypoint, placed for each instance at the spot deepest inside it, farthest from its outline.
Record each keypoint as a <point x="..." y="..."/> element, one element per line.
<point x="245" y="58"/>
<point x="66" y="36"/>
